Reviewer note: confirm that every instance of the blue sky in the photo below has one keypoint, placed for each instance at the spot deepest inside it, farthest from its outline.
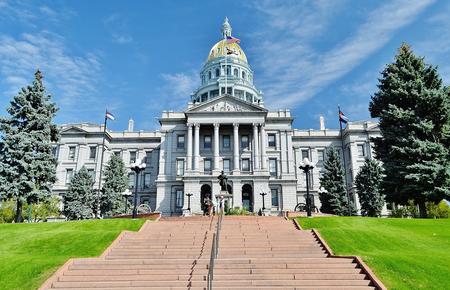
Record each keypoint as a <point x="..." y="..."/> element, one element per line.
<point x="141" y="57"/>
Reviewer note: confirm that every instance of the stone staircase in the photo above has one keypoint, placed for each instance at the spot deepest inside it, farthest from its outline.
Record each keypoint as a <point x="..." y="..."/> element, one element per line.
<point x="174" y="253"/>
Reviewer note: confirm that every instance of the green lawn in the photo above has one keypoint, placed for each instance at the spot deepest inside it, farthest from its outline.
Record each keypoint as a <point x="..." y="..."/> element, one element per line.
<point x="30" y="253"/>
<point x="403" y="253"/>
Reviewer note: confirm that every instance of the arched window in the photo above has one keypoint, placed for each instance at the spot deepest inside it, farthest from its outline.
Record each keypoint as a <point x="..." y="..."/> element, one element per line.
<point x="243" y="75"/>
<point x="228" y="70"/>
<point x="217" y="72"/>
<point x="209" y="74"/>
<point x="236" y="72"/>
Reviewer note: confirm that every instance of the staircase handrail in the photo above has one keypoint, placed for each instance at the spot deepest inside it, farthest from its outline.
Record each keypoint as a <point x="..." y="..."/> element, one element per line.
<point x="214" y="252"/>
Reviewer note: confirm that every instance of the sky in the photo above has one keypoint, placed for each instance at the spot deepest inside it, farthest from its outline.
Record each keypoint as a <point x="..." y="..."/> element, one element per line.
<point x="138" y="58"/>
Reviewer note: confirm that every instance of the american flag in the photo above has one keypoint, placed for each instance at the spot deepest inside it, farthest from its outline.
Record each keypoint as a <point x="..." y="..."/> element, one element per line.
<point x="231" y="39"/>
<point x="342" y="117"/>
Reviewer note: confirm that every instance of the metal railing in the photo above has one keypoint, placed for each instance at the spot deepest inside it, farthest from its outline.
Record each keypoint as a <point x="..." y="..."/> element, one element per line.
<point x="214" y="252"/>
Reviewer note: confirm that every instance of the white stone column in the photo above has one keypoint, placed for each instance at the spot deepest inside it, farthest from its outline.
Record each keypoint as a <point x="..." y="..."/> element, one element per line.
<point x="196" y="146"/>
<point x="216" y="146"/>
<point x="236" y="147"/>
<point x="263" y="147"/>
<point x="255" y="147"/>
<point x="189" y="148"/>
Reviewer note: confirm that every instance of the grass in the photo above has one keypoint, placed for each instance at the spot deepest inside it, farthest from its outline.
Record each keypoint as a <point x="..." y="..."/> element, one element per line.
<point x="30" y="253"/>
<point x="403" y="253"/>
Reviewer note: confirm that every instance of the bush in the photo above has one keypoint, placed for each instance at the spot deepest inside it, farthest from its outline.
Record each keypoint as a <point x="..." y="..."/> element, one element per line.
<point x="41" y="211"/>
<point x="237" y="211"/>
<point x="440" y="210"/>
<point x="7" y="211"/>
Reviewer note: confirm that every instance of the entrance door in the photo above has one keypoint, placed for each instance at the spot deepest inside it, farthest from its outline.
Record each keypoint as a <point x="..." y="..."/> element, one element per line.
<point x="205" y="192"/>
<point x="247" y="197"/>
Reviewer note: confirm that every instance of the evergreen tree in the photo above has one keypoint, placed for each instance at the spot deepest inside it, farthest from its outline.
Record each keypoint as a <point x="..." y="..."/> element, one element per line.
<point x="116" y="182"/>
<point x="79" y="200"/>
<point x="414" y="111"/>
<point x="27" y="165"/>
<point x="334" y="197"/>
<point x="368" y="183"/>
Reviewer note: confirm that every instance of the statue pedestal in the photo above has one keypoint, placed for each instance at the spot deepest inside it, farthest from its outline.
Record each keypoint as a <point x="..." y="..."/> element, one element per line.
<point x="186" y="212"/>
<point x="221" y="197"/>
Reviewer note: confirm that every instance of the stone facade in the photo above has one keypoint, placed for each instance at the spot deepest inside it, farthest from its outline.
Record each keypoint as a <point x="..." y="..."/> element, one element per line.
<point x="224" y="127"/>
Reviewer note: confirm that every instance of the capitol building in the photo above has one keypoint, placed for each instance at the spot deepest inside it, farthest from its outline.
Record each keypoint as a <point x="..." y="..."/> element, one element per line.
<point x="224" y="127"/>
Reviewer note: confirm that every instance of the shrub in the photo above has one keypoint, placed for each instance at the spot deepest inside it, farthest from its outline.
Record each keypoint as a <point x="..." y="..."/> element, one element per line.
<point x="237" y="211"/>
<point x="440" y="210"/>
<point x="7" y="210"/>
<point x="41" y="211"/>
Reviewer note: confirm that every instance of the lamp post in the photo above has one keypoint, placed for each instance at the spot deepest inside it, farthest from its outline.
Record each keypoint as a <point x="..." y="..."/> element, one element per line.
<point x="262" y="195"/>
<point x="137" y="167"/>
<point x="307" y="167"/>
<point x="189" y="201"/>
<point x="127" y="193"/>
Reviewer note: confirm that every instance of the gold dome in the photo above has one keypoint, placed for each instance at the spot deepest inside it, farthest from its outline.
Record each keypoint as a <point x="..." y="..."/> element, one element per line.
<point x="220" y="49"/>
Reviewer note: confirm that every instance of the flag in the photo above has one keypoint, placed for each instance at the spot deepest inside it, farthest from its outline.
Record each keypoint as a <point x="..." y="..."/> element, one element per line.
<point x="110" y="116"/>
<point x="342" y="117"/>
<point x="231" y="39"/>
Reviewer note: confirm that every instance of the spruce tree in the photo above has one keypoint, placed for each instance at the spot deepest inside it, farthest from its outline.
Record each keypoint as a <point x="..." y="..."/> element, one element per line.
<point x="79" y="200"/>
<point x="27" y="165"/>
<point x="116" y="182"/>
<point x="414" y="112"/>
<point x="368" y="183"/>
<point x="334" y="197"/>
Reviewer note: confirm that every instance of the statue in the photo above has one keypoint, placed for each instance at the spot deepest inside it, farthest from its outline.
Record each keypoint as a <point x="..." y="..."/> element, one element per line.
<point x="223" y="181"/>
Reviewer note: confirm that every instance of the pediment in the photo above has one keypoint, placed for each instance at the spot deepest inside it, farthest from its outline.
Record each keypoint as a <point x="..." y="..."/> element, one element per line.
<point x="226" y="104"/>
<point x="73" y="130"/>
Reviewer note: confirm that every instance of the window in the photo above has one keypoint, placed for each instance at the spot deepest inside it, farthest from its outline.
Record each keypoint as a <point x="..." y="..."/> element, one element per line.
<point x="148" y="157"/>
<point x="244" y="142"/>
<point x="243" y="75"/>
<point x="69" y="174"/>
<point x="226" y="141"/>
<point x="236" y="72"/>
<point x="117" y="153"/>
<point x="217" y="72"/>
<point x="180" y="141"/>
<point x="207" y="142"/>
<point x="179" y="198"/>
<point x="131" y="180"/>
<point x="72" y="150"/>
<point x="272" y="140"/>
<point x="209" y="75"/>
<point x="305" y="154"/>
<point x="132" y="156"/>
<point x="204" y="97"/>
<point x="207" y="165"/>
<point x="55" y="151"/>
<point x="92" y="152"/>
<point x="226" y="165"/>
<point x="361" y="150"/>
<point x="274" y="192"/>
<point x="229" y="90"/>
<point x="320" y="155"/>
<point x="92" y="174"/>
<point x="245" y="164"/>
<point x="147" y="177"/>
<point x="180" y="167"/>
<point x="228" y="70"/>
<point x="273" y="167"/>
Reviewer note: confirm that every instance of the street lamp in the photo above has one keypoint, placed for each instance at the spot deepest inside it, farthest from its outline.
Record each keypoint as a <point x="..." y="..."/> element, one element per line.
<point x="189" y="201"/>
<point x="307" y="167"/>
<point x="137" y="167"/>
<point x="263" y="194"/>
<point x="127" y="193"/>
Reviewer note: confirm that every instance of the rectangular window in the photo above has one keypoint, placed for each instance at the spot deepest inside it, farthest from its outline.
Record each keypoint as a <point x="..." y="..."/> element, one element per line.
<point x="305" y="154"/>
<point x="245" y="164"/>
<point x="92" y="174"/>
<point x="207" y="165"/>
<point x="132" y="157"/>
<point x="226" y="141"/>
<point x="117" y="153"/>
<point x="273" y="166"/>
<point x="244" y="142"/>
<point x="180" y="167"/>
<point x="274" y="192"/>
<point x="226" y="165"/>
<point x="320" y="155"/>
<point x="180" y="141"/>
<point x="147" y="177"/>
<point x="361" y="150"/>
<point x="131" y="180"/>
<point x="148" y="157"/>
<point x="72" y="150"/>
<point x="55" y="151"/>
<point x="179" y="199"/>
<point x="92" y="152"/>
<point x="69" y="174"/>
<point x="207" y="142"/>
<point x="272" y="140"/>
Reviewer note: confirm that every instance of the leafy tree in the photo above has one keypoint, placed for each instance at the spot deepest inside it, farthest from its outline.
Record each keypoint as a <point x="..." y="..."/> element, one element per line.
<point x="414" y="112"/>
<point x="368" y="183"/>
<point x="79" y="200"/>
<point x="27" y="166"/>
<point x="116" y="182"/>
<point x="41" y="211"/>
<point x="334" y="197"/>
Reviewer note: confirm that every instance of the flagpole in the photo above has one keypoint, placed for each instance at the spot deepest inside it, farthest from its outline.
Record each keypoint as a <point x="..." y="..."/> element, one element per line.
<point x="101" y="166"/>
<point x="345" y="163"/>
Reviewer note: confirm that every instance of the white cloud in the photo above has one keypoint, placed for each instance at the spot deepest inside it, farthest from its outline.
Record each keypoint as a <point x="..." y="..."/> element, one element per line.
<point x="177" y="88"/>
<point x="293" y="71"/>
<point x="117" y="25"/>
